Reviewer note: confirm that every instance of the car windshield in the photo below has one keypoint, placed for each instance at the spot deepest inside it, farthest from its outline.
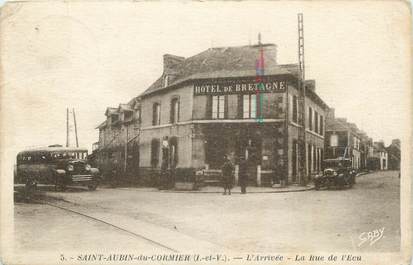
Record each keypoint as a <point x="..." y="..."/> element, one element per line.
<point x="332" y="164"/>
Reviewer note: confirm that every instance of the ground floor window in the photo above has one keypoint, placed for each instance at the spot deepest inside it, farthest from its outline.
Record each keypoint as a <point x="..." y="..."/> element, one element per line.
<point x="173" y="152"/>
<point x="294" y="160"/>
<point x="155" y="145"/>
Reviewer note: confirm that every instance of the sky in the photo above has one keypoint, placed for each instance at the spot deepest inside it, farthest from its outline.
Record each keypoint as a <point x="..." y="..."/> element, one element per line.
<point x="90" y="55"/>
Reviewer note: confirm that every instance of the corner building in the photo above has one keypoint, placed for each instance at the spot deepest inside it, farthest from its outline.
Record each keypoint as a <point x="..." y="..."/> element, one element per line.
<point x="207" y="106"/>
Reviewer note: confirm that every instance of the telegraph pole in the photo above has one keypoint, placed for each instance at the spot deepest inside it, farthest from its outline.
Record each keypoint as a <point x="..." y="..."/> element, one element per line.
<point x="67" y="127"/>
<point x="125" y="165"/>
<point x="74" y="120"/>
<point x="301" y="88"/>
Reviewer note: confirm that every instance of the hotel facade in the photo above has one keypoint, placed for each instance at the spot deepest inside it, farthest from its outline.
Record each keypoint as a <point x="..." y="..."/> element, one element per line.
<point x="212" y="105"/>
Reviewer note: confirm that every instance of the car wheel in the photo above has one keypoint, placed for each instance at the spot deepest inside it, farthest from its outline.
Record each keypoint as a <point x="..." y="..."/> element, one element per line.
<point x="93" y="186"/>
<point x="59" y="184"/>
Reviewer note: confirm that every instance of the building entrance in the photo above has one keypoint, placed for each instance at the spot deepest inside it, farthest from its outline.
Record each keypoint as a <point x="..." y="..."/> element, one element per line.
<point x="250" y="148"/>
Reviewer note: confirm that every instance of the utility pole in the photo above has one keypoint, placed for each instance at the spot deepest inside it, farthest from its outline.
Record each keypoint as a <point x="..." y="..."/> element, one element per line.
<point x="67" y="127"/>
<point x="302" y="95"/>
<point x="125" y="165"/>
<point x="74" y="120"/>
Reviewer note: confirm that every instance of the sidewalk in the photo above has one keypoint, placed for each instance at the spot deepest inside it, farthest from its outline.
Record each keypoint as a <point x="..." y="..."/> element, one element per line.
<point x="235" y="190"/>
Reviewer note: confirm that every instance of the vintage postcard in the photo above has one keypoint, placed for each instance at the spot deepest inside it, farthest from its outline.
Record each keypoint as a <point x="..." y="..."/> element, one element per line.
<point x="216" y="132"/>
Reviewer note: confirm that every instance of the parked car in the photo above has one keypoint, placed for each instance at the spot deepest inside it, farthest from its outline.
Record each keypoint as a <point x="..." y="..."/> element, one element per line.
<point x="337" y="173"/>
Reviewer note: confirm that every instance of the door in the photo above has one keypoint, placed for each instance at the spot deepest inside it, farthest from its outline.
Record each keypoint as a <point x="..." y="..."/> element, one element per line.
<point x="251" y="148"/>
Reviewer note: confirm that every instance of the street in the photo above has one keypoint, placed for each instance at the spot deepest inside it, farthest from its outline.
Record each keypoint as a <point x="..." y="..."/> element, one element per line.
<point x="326" y="220"/>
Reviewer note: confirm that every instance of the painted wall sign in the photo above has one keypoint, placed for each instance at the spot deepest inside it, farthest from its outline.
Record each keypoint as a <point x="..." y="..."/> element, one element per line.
<point x="246" y="86"/>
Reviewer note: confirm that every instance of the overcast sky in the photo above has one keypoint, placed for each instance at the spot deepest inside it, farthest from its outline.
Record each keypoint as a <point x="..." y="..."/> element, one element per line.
<point x="92" y="55"/>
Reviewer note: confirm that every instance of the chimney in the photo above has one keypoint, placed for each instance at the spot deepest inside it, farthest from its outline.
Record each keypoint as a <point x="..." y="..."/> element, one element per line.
<point x="343" y="120"/>
<point x="332" y="113"/>
<point x="310" y="85"/>
<point x="171" y="63"/>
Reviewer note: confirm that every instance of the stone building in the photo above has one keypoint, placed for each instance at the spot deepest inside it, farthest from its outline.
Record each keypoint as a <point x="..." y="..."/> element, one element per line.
<point x="228" y="101"/>
<point x="344" y="139"/>
<point x="379" y="160"/>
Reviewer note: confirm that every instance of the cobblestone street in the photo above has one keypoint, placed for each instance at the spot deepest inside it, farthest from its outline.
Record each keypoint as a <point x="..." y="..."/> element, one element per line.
<point x="329" y="220"/>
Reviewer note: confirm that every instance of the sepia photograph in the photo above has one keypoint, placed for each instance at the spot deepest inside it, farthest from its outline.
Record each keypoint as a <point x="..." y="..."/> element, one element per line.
<point x="205" y="132"/>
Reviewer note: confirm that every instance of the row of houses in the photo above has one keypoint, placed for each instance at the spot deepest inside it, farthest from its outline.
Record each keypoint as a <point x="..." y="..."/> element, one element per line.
<point x="218" y="104"/>
<point x="345" y="139"/>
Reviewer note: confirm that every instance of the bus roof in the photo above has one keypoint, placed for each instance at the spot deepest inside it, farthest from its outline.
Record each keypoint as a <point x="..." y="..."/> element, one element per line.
<point x="53" y="149"/>
<point x="337" y="159"/>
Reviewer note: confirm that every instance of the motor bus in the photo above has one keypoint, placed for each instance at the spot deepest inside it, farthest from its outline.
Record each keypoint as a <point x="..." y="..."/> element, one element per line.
<point x="56" y="165"/>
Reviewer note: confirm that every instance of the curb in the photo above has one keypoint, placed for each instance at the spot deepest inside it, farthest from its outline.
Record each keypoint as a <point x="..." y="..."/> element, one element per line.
<point x="235" y="192"/>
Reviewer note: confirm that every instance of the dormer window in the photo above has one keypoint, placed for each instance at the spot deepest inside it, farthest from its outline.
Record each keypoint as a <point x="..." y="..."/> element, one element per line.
<point x="127" y="116"/>
<point x="114" y="118"/>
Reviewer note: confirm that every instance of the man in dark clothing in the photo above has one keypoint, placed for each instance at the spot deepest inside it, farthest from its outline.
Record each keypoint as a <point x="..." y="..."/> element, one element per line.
<point x="242" y="174"/>
<point x="227" y="174"/>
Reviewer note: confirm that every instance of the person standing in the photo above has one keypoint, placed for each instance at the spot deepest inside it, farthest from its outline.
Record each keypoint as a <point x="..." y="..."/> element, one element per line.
<point x="227" y="174"/>
<point x="242" y="174"/>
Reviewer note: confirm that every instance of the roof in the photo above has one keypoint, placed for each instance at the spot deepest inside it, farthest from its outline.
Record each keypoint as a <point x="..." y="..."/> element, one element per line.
<point x="336" y="159"/>
<point x="110" y="111"/>
<point x="225" y="62"/>
<point x="102" y="125"/>
<point x="54" y="149"/>
<point x="124" y="107"/>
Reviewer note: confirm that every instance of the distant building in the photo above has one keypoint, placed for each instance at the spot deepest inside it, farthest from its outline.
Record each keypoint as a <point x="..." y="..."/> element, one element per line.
<point x="344" y="139"/>
<point x="379" y="160"/>
<point x="205" y="107"/>
<point x="393" y="151"/>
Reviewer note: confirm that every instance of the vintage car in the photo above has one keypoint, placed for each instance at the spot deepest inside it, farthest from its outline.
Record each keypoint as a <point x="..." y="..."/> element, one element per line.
<point x="337" y="173"/>
<point x="60" y="166"/>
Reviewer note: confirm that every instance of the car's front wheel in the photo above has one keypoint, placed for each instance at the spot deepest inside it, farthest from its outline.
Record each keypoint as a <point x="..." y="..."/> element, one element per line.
<point x="93" y="185"/>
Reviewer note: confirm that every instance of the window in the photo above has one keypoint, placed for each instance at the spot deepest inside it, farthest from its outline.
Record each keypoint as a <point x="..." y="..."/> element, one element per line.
<point x="218" y="107"/>
<point x="155" y="145"/>
<point x="295" y="109"/>
<point x="173" y="149"/>
<point x="138" y="114"/>
<point x="127" y="116"/>
<point x="334" y="140"/>
<point x="249" y="106"/>
<point x="310" y="118"/>
<point x="321" y="125"/>
<point x="316" y="121"/>
<point x="174" y="110"/>
<point x="156" y="117"/>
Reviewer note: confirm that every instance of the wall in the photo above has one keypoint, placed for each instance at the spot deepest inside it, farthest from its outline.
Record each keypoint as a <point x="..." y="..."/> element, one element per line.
<point x="182" y="130"/>
<point x="164" y="98"/>
<point x="316" y="140"/>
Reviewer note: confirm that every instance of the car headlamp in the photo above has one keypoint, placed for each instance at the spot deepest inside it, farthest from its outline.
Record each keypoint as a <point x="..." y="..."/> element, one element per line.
<point x="70" y="168"/>
<point x="87" y="167"/>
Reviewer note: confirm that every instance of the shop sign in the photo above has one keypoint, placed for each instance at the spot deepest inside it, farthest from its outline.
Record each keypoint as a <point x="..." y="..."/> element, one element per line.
<point x="239" y="87"/>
